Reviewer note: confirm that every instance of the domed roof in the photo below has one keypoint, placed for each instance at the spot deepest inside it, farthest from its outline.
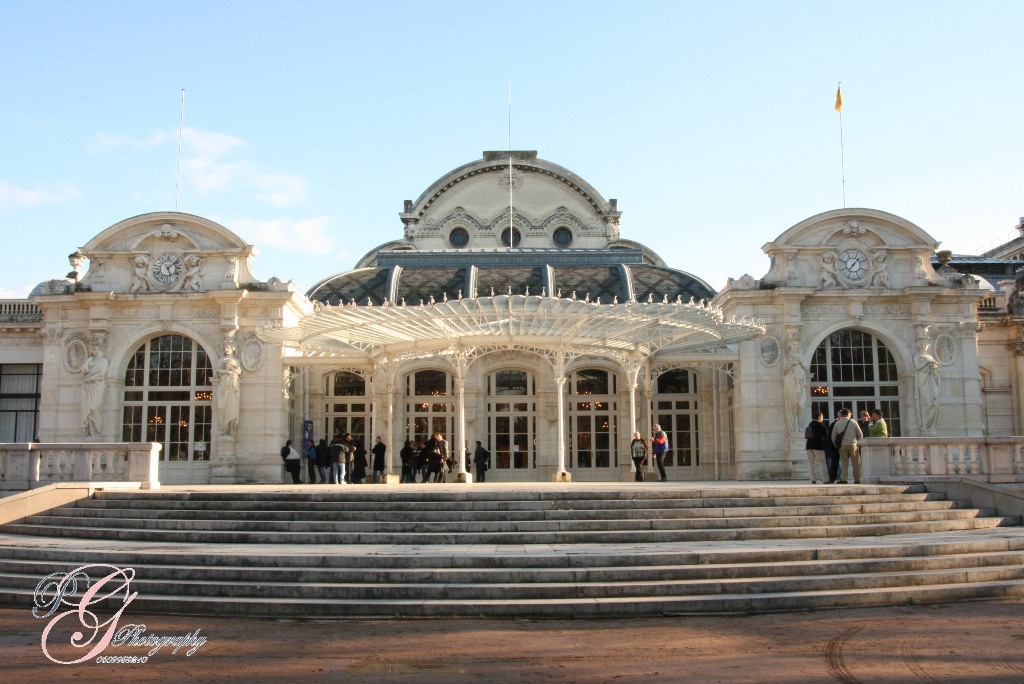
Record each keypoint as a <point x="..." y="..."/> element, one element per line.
<point x="618" y="275"/>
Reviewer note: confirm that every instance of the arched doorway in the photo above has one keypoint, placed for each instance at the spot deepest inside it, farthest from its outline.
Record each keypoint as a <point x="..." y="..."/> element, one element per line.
<point x="676" y="410"/>
<point x="592" y="425"/>
<point x="429" y="406"/>
<point x="853" y="369"/>
<point x="512" y="421"/>
<point x="168" y="399"/>
<point x="347" y="410"/>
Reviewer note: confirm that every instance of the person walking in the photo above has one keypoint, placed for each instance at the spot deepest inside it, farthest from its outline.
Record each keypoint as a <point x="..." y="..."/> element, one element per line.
<point x="845" y="434"/>
<point x="638" y="451"/>
<point x="379" y="450"/>
<point x="408" y="456"/>
<point x="482" y="461"/>
<point x="659" y="445"/>
<point x="310" y="462"/>
<point x="292" y="462"/>
<point x="336" y="458"/>
<point x="322" y="460"/>
<point x="816" y="435"/>
<point x="359" y="462"/>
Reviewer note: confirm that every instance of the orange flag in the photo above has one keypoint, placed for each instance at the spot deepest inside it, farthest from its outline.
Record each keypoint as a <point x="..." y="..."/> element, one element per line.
<point x="839" y="99"/>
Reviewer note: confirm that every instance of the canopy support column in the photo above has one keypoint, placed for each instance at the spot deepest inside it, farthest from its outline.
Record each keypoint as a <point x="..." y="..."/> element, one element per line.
<point x="458" y="447"/>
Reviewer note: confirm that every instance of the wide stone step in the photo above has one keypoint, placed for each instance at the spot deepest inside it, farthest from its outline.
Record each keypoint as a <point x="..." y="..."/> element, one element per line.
<point x="584" y="588"/>
<point x="30" y="571"/>
<point x="428" y="494"/>
<point x="505" y="526"/>
<point x="510" y="606"/>
<point x="446" y="536"/>
<point x="348" y="514"/>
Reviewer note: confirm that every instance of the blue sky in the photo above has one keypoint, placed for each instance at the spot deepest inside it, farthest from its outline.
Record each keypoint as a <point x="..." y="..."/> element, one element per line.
<point x="308" y="123"/>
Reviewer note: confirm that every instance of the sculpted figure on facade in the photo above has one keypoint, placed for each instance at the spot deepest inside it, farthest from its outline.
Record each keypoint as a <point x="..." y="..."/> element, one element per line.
<point x="193" y="278"/>
<point x="879" y="269"/>
<point x="927" y="371"/>
<point x="795" y="389"/>
<point x="94" y="386"/>
<point x="1015" y="302"/>
<point x="228" y="391"/>
<point x="140" y="274"/>
<point x="827" y="274"/>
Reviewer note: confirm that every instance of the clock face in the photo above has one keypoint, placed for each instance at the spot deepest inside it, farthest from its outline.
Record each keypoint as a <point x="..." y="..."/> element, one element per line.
<point x="853" y="264"/>
<point x="167" y="268"/>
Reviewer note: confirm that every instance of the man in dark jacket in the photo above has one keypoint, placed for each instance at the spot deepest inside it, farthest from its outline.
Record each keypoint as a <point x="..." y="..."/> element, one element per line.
<point x="817" y="436"/>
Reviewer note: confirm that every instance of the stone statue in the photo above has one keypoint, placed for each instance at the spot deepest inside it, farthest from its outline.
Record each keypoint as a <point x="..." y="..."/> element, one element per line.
<point x="140" y="274"/>
<point x="1015" y="302"/>
<point x="94" y="386"/>
<point x="228" y="375"/>
<point x="879" y="269"/>
<point x="795" y="391"/>
<point x="827" y="275"/>
<point x="927" y="371"/>
<point x="193" y="278"/>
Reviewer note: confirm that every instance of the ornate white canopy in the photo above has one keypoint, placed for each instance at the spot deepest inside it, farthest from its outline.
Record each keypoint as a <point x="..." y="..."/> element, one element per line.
<point x="515" y="320"/>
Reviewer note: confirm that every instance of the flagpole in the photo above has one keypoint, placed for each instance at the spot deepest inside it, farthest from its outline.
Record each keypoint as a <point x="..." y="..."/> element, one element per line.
<point x="181" y="125"/>
<point x="511" y="222"/>
<point x="842" y="149"/>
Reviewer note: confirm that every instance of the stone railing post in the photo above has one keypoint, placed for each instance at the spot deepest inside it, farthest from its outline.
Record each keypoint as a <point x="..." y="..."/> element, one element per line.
<point x="144" y="464"/>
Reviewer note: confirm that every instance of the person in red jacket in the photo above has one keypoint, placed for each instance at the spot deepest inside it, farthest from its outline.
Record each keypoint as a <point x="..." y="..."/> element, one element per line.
<point x="659" y="445"/>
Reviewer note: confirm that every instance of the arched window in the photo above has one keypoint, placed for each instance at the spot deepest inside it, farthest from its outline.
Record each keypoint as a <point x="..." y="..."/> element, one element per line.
<point x="347" y="409"/>
<point x="592" y="411"/>
<point x="853" y="369"/>
<point x="511" y="419"/>
<point x="676" y="411"/>
<point x="168" y="399"/>
<point x="429" y="407"/>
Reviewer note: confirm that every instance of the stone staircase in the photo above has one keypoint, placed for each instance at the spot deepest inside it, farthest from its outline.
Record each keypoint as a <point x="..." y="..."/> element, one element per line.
<point x="573" y="551"/>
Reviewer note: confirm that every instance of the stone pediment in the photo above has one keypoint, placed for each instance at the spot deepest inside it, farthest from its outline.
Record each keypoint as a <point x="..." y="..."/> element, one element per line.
<point x="167" y="252"/>
<point x="852" y="249"/>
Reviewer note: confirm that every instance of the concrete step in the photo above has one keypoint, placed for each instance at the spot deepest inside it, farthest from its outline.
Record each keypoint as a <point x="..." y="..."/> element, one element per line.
<point x="443" y="534"/>
<point x="511" y="606"/>
<point x="340" y="523"/>
<point x="447" y="515"/>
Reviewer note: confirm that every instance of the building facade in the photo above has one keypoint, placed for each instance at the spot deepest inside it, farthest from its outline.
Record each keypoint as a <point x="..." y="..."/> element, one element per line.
<point x="510" y="310"/>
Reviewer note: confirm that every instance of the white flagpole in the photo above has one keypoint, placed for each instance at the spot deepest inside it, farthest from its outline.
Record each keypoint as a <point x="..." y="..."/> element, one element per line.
<point x="181" y="125"/>
<point x="511" y="223"/>
<point x="842" y="149"/>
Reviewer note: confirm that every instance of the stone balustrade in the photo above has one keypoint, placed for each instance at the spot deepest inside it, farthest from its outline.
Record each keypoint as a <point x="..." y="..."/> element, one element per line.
<point x="19" y="311"/>
<point x="985" y="459"/>
<point x="26" y="465"/>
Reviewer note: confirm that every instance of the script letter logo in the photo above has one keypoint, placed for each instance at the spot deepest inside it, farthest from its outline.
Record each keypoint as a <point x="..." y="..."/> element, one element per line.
<point x="120" y="581"/>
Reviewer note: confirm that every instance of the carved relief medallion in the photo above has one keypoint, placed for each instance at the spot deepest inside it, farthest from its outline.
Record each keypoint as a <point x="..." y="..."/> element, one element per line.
<point x="944" y="348"/>
<point x="770" y="351"/>
<point x="75" y="354"/>
<point x="252" y="355"/>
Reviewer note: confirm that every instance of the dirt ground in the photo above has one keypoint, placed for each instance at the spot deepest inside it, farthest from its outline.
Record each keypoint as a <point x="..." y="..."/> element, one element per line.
<point x="965" y="642"/>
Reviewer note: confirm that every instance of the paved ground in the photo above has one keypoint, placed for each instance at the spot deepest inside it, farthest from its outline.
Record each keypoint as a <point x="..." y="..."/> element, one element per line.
<point x="966" y="642"/>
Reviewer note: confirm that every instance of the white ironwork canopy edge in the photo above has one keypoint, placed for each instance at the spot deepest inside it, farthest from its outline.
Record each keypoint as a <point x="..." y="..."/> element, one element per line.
<point x="367" y="331"/>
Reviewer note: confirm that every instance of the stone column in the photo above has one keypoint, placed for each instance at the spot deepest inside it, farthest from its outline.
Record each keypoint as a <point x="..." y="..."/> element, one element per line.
<point x="562" y="475"/>
<point x="459" y="449"/>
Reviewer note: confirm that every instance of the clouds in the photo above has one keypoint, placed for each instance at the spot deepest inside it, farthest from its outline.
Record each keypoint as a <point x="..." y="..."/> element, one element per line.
<point x="215" y="163"/>
<point x="12" y="196"/>
<point x="307" y="235"/>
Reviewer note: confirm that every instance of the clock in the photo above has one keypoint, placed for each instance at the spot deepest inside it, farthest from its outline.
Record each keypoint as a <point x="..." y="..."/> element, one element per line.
<point x="853" y="265"/>
<point x="167" y="268"/>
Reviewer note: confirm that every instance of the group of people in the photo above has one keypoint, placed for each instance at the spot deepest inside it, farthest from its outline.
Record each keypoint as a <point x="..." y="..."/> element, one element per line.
<point x="638" y="452"/>
<point x="836" y="446"/>
<point x="343" y="461"/>
<point x="431" y="460"/>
